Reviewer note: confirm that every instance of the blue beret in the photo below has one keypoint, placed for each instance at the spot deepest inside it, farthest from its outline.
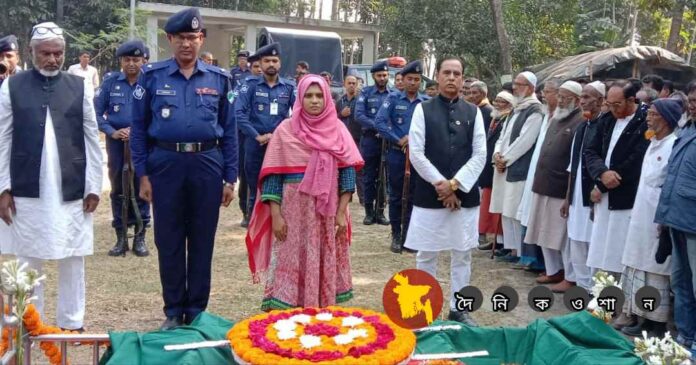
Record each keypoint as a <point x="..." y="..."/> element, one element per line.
<point x="8" y="43"/>
<point x="379" y="66"/>
<point x="243" y="53"/>
<point x="185" y="21"/>
<point x="133" y="48"/>
<point x="415" y="67"/>
<point x="272" y="49"/>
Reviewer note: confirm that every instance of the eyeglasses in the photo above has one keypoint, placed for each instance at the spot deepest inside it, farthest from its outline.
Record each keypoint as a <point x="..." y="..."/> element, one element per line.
<point x="46" y="30"/>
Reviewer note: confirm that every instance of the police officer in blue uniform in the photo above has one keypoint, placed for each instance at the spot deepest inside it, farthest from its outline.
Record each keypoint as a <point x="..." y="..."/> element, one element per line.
<point x="263" y="103"/>
<point x="184" y="144"/>
<point x="113" y="103"/>
<point x="9" y="56"/>
<point x="393" y="122"/>
<point x="369" y="102"/>
<point x="241" y="71"/>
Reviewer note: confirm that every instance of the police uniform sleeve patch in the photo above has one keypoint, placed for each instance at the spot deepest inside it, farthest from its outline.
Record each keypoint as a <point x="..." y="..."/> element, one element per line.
<point x="361" y="99"/>
<point x="244" y="89"/>
<point x="385" y="104"/>
<point x="139" y="92"/>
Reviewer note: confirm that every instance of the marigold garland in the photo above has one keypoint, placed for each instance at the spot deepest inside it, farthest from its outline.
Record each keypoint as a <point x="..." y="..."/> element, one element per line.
<point x="35" y="327"/>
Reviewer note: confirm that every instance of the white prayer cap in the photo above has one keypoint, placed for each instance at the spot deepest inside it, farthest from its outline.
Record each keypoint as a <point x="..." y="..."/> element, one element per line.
<point x="46" y="30"/>
<point x="530" y="77"/>
<point x="506" y="96"/>
<point x="573" y="87"/>
<point x="599" y="86"/>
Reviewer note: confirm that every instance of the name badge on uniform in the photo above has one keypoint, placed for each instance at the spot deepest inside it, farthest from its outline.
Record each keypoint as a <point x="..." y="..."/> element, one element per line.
<point x="165" y="92"/>
<point x="166" y="112"/>
<point x="274" y="108"/>
<point x="116" y="94"/>
<point x="262" y="94"/>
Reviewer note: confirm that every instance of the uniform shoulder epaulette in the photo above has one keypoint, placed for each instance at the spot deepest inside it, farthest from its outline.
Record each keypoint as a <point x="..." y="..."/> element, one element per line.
<point x="154" y="66"/>
<point x="252" y="78"/>
<point x="290" y="81"/>
<point x="218" y="70"/>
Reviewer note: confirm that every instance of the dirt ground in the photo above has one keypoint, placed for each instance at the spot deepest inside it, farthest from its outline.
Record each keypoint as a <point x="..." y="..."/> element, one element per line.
<point x="124" y="293"/>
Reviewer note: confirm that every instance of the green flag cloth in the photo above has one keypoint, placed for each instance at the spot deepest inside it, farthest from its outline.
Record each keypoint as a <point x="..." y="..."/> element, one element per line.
<point x="577" y="339"/>
<point x="132" y="348"/>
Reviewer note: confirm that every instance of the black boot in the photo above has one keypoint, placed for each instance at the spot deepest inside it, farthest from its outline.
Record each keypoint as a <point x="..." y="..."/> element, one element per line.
<point x="369" y="214"/>
<point x="396" y="241"/>
<point x="380" y="219"/>
<point x="139" y="246"/>
<point x="245" y="221"/>
<point x="121" y="245"/>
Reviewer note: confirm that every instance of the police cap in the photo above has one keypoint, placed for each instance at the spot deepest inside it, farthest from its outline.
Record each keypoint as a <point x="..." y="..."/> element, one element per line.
<point x="133" y="48"/>
<point x="379" y="66"/>
<point x="8" y="43"/>
<point x="415" y="67"/>
<point x="272" y="49"/>
<point x="185" y="21"/>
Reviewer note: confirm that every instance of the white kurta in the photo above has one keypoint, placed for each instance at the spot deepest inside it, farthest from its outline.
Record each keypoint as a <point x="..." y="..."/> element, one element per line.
<point x="507" y="195"/>
<point x="443" y="229"/>
<point x="526" y="201"/>
<point x="579" y="223"/>
<point x="610" y="226"/>
<point x="642" y="239"/>
<point x="46" y="227"/>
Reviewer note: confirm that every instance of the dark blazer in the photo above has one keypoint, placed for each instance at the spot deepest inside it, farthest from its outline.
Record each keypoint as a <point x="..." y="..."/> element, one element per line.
<point x="626" y="159"/>
<point x="486" y="111"/>
<point x="583" y="133"/>
<point x="486" y="178"/>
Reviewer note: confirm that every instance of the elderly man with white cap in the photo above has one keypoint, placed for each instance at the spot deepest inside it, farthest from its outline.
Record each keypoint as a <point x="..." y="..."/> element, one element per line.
<point x="512" y="158"/>
<point x="546" y="227"/>
<point x="50" y="170"/>
<point x="577" y="205"/>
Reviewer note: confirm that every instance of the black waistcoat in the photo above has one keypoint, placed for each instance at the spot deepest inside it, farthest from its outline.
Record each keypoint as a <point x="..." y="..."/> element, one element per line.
<point x="449" y="133"/>
<point x="32" y="94"/>
<point x="583" y="133"/>
<point x="518" y="170"/>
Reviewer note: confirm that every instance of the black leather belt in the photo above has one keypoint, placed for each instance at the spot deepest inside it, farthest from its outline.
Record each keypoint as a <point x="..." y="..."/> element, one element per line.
<point x="188" y="147"/>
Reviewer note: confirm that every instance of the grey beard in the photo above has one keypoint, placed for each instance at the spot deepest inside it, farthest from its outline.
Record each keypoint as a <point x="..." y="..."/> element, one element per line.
<point x="49" y="73"/>
<point x="562" y="113"/>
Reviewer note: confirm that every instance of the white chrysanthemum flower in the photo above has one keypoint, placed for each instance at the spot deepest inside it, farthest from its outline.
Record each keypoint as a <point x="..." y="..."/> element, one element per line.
<point x="309" y="341"/>
<point x="343" y="339"/>
<point x="301" y="318"/>
<point x="287" y="335"/>
<point x="654" y="360"/>
<point x="285" y="325"/>
<point x="352" y="321"/>
<point x="324" y="316"/>
<point x="355" y="333"/>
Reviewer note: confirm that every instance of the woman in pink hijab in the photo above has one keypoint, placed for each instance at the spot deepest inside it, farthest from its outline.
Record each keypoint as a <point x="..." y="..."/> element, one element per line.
<point x="299" y="233"/>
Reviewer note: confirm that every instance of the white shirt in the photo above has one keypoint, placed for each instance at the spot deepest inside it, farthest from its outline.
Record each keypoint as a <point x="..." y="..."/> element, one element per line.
<point x="48" y="227"/>
<point x="442" y="229"/>
<point x="90" y="74"/>
<point x="615" y="135"/>
<point x="579" y="223"/>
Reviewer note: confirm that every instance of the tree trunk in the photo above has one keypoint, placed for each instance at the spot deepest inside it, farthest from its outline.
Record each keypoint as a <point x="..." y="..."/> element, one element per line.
<point x="503" y="41"/>
<point x="677" y="18"/>
<point x="59" y="11"/>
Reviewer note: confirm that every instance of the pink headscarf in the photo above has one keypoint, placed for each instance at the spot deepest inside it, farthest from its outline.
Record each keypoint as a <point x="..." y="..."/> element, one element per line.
<point x="331" y="143"/>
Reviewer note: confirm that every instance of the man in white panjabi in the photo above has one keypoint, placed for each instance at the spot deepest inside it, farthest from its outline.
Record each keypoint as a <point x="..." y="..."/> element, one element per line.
<point x="513" y="156"/>
<point x="641" y="267"/>
<point x="85" y="70"/>
<point x="613" y="157"/>
<point x="448" y="150"/>
<point x="577" y="206"/>
<point x="530" y="256"/>
<point x="50" y="171"/>
<point x="547" y="228"/>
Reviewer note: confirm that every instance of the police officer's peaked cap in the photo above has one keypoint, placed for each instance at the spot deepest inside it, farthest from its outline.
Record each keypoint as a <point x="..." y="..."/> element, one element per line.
<point x="185" y="21"/>
<point x="415" y="67"/>
<point x="243" y="53"/>
<point x="147" y="53"/>
<point x="8" y="43"/>
<point x="379" y="66"/>
<point x="133" y="48"/>
<point x="252" y="58"/>
<point x="272" y="49"/>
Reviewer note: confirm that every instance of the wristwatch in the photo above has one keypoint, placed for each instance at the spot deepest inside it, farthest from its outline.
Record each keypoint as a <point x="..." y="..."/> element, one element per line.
<point x="454" y="185"/>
